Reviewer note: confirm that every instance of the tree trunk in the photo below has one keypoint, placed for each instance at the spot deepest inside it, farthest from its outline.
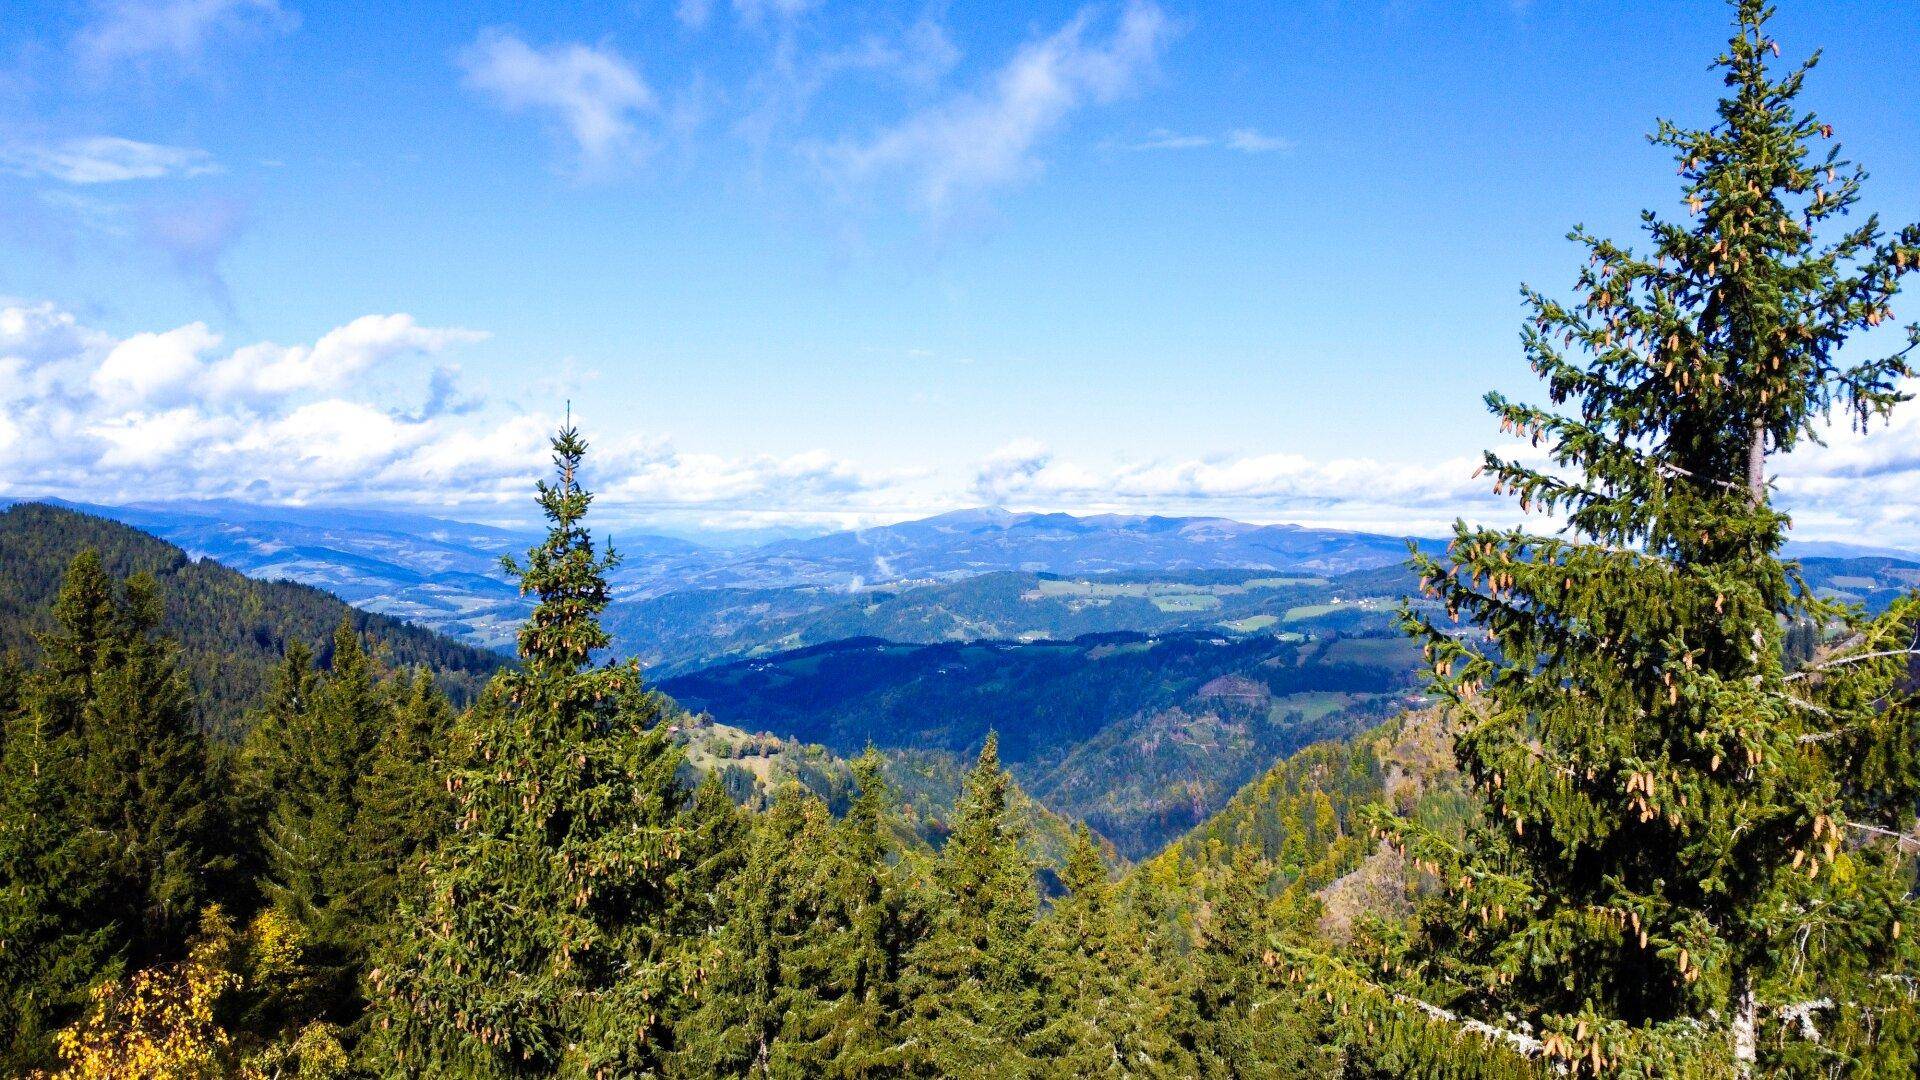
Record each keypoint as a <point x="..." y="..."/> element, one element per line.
<point x="1757" y="463"/>
<point x="1746" y="1010"/>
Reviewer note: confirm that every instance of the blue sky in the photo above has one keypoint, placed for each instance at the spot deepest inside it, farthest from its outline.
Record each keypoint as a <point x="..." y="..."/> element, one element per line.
<point x="804" y="263"/>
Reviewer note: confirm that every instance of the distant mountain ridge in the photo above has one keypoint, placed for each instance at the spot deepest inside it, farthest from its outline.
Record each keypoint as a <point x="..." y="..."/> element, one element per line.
<point x="983" y="540"/>
<point x="679" y="604"/>
<point x="445" y="574"/>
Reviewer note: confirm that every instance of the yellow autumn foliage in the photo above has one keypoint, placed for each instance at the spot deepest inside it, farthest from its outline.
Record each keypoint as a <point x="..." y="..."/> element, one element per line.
<point x="158" y="1022"/>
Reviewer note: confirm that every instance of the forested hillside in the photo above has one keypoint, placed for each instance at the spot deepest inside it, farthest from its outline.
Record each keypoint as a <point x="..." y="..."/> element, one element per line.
<point x="232" y="629"/>
<point x="678" y="632"/>
<point x="1140" y="736"/>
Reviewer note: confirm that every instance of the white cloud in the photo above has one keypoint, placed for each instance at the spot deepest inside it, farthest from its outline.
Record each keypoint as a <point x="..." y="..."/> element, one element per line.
<point x="267" y="370"/>
<point x="1862" y="487"/>
<point x="591" y="92"/>
<point x="1245" y="140"/>
<point x="180" y="414"/>
<point x="145" y="31"/>
<point x="153" y="368"/>
<point x="1250" y="141"/>
<point x="988" y="138"/>
<point x="1339" y="492"/>
<point x="105" y="159"/>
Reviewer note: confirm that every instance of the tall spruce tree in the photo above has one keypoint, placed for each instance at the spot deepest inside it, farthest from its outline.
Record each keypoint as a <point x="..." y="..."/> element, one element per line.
<point x="313" y="872"/>
<point x="111" y="808"/>
<point x="1103" y="1014"/>
<point x="854" y="1024"/>
<point x="266" y="760"/>
<point x="149" y="786"/>
<point x="972" y="978"/>
<point x="403" y="806"/>
<point x="1686" y="847"/>
<point x="540" y="947"/>
<point x="50" y="884"/>
<point x="748" y="1017"/>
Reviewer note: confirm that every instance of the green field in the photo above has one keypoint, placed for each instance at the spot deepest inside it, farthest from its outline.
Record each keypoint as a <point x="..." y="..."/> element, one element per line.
<point x="1313" y="705"/>
<point x="1310" y="611"/>
<point x="1186" y="602"/>
<point x="1251" y="624"/>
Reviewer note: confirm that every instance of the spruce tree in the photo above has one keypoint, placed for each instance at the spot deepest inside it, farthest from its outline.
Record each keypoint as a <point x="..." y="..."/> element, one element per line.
<point x="149" y="786"/>
<point x="266" y="759"/>
<point x="1684" y="843"/>
<point x="747" y="1016"/>
<point x="50" y="886"/>
<point x="111" y="812"/>
<point x="540" y="946"/>
<point x="972" y="980"/>
<point x="1103" y="1017"/>
<point x="403" y="807"/>
<point x="844" y="1019"/>
<point x="313" y="872"/>
<point x="1248" y="1024"/>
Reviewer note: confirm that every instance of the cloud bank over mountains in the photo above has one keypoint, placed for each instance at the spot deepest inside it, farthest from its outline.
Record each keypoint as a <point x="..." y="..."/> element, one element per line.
<point x="375" y="413"/>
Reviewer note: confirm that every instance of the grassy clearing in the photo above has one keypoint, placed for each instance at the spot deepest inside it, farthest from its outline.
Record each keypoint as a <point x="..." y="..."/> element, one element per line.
<point x="1310" y="611"/>
<point x="1187" y="602"/>
<point x="1314" y="705"/>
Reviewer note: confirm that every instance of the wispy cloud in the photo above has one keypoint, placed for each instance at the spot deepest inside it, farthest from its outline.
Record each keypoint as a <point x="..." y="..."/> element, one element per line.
<point x="1351" y="492"/>
<point x="1245" y="140"/>
<point x="589" y="92"/>
<point x="1250" y="141"/>
<point x="104" y="160"/>
<point x="756" y="11"/>
<point x="988" y="137"/>
<point x="1163" y="139"/>
<point x="195" y="237"/>
<point x="147" y="32"/>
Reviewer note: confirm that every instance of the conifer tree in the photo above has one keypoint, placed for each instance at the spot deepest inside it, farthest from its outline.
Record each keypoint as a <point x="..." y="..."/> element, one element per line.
<point x="747" y="1017"/>
<point x="403" y="807"/>
<point x="845" y="1019"/>
<point x="714" y="844"/>
<point x="110" y="808"/>
<point x="266" y="757"/>
<point x="1103" y="1018"/>
<point x="1683" y="840"/>
<point x="971" y="980"/>
<point x="149" y="786"/>
<point x="540" y="947"/>
<point x="313" y="869"/>
<point x="1248" y="1024"/>
<point x="49" y="887"/>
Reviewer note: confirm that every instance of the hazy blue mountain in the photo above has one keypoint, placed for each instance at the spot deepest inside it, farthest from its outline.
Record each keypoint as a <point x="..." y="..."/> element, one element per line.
<point x="969" y="542"/>
<point x="984" y="573"/>
<point x="1833" y="549"/>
